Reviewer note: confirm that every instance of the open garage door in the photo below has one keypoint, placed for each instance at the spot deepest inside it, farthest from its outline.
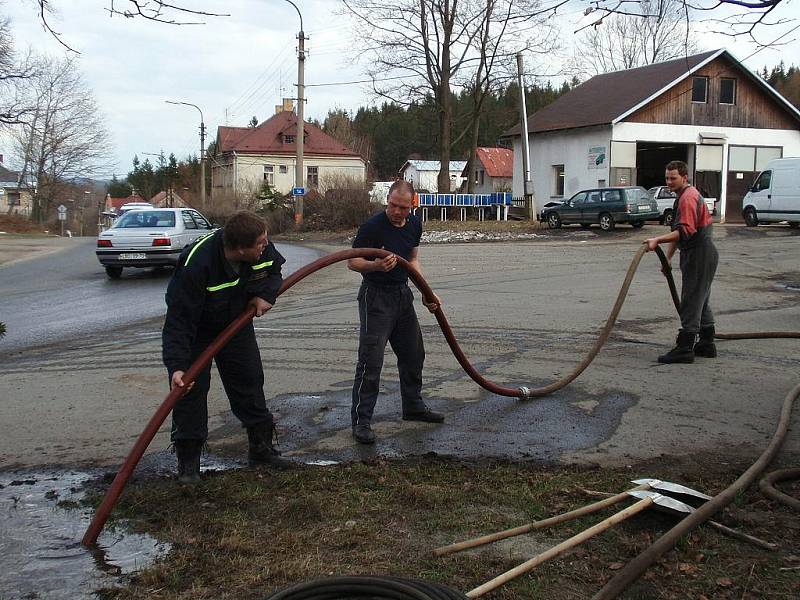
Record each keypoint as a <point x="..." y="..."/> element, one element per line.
<point x="652" y="157"/>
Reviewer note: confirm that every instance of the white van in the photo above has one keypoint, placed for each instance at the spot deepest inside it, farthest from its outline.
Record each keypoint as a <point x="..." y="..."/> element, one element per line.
<point x="775" y="195"/>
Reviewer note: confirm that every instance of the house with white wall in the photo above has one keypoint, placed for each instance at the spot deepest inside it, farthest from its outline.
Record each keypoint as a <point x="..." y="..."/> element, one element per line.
<point x="622" y="128"/>
<point x="424" y="174"/>
<point x="16" y="194"/>
<point x="493" y="170"/>
<point x="247" y="157"/>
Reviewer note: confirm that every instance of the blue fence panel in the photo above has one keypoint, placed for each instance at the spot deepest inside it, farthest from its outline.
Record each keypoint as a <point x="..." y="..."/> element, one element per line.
<point x="446" y="199"/>
<point x="465" y="199"/>
<point x="427" y="199"/>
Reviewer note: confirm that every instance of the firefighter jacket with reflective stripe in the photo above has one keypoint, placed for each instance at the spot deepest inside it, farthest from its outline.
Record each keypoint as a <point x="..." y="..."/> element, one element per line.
<point x="206" y="294"/>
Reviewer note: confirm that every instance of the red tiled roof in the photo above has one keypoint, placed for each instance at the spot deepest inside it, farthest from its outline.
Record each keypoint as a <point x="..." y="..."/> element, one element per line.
<point x="267" y="138"/>
<point x="118" y="202"/>
<point x="497" y="162"/>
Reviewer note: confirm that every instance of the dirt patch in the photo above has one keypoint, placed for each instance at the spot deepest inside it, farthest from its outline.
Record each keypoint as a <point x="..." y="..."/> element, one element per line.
<point x="245" y="534"/>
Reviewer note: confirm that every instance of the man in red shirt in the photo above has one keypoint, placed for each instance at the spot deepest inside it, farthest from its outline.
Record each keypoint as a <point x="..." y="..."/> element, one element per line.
<point x="691" y="233"/>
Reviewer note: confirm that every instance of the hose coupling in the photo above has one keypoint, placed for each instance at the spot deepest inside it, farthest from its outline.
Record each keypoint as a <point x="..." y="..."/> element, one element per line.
<point x="524" y="393"/>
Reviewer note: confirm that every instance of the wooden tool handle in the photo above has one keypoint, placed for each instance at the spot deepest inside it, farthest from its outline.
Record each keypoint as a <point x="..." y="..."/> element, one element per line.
<point x="560" y="548"/>
<point x="568" y="516"/>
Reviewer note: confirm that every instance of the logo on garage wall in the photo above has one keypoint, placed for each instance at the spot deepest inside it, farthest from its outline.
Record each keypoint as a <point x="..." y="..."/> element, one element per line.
<point x="597" y="157"/>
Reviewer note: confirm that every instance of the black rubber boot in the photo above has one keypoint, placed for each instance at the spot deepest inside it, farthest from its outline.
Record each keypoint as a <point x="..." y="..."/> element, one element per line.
<point x="261" y="451"/>
<point x="363" y="433"/>
<point x="706" y="347"/>
<point x="188" y="453"/>
<point x="683" y="352"/>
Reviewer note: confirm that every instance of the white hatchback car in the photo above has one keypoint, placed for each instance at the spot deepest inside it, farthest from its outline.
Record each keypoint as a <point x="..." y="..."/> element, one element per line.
<point x="152" y="237"/>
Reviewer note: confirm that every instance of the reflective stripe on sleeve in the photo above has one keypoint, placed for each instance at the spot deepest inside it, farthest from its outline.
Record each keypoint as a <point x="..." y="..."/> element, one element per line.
<point x="196" y="246"/>
<point x="222" y="286"/>
<point x="262" y="265"/>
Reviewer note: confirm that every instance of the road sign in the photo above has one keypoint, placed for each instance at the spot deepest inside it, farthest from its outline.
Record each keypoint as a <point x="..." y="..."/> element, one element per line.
<point x="298" y="191"/>
<point x="62" y="212"/>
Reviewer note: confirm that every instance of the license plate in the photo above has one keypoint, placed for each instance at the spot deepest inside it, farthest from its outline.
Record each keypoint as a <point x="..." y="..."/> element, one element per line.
<point x="132" y="256"/>
<point x="644" y="207"/>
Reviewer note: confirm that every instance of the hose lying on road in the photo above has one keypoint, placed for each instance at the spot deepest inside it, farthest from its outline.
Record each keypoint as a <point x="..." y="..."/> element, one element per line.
<point x="123" y="475"/>
<point x="368" y="587"/>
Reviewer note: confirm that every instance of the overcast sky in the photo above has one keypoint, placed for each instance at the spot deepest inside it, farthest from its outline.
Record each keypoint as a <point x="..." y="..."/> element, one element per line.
<point x="235" y="67"/>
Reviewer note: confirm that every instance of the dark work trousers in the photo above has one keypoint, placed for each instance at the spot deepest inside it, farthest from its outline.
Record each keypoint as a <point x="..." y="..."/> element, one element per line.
<point x="698" y="266"/>
<point x="239" y="366"/>
<point x="387" y="314"/>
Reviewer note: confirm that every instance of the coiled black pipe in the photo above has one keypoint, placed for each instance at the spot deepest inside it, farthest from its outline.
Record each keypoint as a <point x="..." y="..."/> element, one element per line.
<point x="367" y="587"/>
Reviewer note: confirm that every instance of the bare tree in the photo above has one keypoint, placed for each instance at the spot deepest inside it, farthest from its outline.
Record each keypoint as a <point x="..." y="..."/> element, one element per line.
<point x="625" y="41"/>
<point x="14" y="72"/>
<point x="425" y="50"/>
<point x="66" y="138"/>
<point x="502" y="32"/>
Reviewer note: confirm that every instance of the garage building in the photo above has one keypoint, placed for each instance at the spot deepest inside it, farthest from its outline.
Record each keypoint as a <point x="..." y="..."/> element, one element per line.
<point x="621" y="128"/>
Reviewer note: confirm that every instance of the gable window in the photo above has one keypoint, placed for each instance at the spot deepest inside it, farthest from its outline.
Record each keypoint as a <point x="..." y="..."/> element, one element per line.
<point x="312" y="177"/>
<point x="288" y="139"/>
<point x="700" y="89"/>
<point x="269" y="174"/>
<point x="558" y="180"/>
<point x="727" y="91"/>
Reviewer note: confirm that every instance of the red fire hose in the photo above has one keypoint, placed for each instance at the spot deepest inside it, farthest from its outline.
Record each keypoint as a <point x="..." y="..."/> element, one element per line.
<point x="522" y="392"/>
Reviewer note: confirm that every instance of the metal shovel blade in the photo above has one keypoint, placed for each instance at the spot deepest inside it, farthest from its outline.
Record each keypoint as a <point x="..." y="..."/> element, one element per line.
<point x="675" y="488"/>
<point x="662" y="501"/>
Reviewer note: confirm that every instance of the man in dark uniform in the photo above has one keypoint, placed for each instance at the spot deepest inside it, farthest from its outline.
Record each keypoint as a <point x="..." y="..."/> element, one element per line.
<point x="691" y="233"/>
<point x="386" y="311"/>
<point x="215" y="280"/>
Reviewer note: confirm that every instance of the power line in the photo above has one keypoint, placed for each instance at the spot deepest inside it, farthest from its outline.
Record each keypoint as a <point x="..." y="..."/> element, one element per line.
<point x="355" y="82"/>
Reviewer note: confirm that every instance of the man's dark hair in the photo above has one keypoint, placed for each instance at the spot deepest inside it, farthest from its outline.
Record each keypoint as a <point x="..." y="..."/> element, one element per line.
<point x="403" y="186"/>
<point x="243" y="229"/>
<point x="678" y="165"/>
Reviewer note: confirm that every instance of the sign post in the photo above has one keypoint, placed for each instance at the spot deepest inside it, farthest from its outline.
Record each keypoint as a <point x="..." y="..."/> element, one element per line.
<point x="62" y="216"/>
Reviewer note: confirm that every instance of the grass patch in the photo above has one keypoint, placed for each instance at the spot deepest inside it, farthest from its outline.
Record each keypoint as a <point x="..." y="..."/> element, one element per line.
<point x="244" y="534"/>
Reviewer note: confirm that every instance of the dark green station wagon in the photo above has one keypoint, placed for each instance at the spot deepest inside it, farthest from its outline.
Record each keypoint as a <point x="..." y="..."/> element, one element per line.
<point x="603" y="206"/>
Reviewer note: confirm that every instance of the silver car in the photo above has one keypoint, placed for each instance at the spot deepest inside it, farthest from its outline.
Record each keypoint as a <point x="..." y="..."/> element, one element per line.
<point x="152" y="237"/>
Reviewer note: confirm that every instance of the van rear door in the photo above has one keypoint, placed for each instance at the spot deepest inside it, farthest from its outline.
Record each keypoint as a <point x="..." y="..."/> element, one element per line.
<point x="785" y="193"/>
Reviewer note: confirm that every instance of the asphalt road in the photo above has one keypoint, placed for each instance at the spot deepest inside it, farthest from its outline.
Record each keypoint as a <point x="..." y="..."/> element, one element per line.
<point x="525" y="314"/>
<point x="67" y="294"/>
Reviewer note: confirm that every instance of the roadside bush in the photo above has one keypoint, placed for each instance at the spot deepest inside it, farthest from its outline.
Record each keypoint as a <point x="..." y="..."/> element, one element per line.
<point x="338" y="209"/>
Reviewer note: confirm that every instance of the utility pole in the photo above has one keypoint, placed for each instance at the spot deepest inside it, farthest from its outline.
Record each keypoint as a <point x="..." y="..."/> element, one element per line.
<point x="202" y="150"/>
<point x="526" y="168"/>
<point x="298" y="168"/>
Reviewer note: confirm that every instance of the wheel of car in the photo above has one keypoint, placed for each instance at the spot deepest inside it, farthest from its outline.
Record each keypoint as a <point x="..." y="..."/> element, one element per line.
<point x="637" y="224"/>
<point x="114" y="272"/>
<point x="667" y="218"/>
<point x="750" y="216"/>
<point x="606" y="222"/>
<point x="553" y="220"/>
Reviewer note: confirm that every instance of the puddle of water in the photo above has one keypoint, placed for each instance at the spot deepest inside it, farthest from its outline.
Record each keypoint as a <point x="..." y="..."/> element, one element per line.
<point x="789" y="286"/>
<point x="40" y="552"/>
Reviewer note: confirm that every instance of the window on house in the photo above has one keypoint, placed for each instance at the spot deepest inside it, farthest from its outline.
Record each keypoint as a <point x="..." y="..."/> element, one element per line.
<point x="312" y="177"/>
<point x="288" y="139"/>
<point x="727" y="91"/>
<point x="700" y="89"/>
<point x="13" y="198"/>
<point x="481" y="174"/>
<point x="269" y="174"/>
<point x="283" y="169"/>
<point x="558" y="177"/>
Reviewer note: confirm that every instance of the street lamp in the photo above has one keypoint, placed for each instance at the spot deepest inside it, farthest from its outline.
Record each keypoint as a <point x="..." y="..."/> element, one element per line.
<point x="298" y="168"/>
<point x="202" y="151"/>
